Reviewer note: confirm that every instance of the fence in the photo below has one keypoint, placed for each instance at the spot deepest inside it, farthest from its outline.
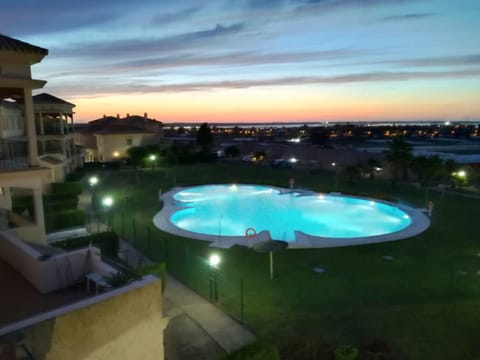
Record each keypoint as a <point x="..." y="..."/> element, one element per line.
<point x="308" y="281"/>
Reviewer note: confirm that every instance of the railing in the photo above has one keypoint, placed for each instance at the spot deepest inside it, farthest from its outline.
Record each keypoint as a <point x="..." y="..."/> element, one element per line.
<point x="13" y="154"/>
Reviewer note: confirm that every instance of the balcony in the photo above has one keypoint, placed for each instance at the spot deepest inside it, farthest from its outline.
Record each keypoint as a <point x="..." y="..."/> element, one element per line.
<point x="13" y="154"/>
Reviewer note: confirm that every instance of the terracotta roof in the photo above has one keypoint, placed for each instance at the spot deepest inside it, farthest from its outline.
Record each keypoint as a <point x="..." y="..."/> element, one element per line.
<point x="130" y="124"/>
<point x="45" y="98"/>
<point x="10" y="44"/>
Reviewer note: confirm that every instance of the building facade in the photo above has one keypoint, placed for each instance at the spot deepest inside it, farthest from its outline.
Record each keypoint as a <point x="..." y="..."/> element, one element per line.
<point x="109" y="138"/>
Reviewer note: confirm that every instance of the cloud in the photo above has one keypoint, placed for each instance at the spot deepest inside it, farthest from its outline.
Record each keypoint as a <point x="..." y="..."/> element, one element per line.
<point x="79" y="91"/>
<point x="139" y="47"/>
<point x="31" y="17"/>
<point x="403" y="17"/>
<point x="239" y="59"/>
<point x="166" y="18"/>
<point x="461" y="60"/>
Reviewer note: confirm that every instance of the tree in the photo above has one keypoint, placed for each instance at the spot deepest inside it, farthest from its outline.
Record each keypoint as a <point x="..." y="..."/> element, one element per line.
<point x="400" y="157"/>
<point x="137" y="154"/>
<point x="352" y="172"/>
<point x="427" y="169"/>
<point x="371" y="167"/>
<point x="204" y="136"/>
<point x="232" y="151"/>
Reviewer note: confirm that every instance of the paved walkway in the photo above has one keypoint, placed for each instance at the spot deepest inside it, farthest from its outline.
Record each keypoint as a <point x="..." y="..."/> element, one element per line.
<point x="197" y="328"/>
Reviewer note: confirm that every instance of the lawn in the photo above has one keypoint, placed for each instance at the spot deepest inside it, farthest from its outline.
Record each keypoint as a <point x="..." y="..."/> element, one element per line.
<point x="424" y="303"/>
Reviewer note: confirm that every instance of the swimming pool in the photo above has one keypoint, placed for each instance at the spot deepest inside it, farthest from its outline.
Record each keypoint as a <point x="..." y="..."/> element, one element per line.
<point x="223" y="213"/>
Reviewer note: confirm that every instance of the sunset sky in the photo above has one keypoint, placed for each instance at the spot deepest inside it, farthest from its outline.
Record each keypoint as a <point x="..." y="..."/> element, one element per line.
<point x="247" y="60"/>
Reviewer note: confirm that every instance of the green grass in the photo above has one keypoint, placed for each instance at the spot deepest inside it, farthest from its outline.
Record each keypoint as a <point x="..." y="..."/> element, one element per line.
<point x="425" y="303"/>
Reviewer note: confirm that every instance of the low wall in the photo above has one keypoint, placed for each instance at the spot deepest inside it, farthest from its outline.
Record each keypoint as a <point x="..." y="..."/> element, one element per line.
<point x="53" y="273"/>
<point x="127" y="326"/>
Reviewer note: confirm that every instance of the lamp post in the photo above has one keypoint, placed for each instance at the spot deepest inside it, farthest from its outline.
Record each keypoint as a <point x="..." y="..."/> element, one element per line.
<point x="334" y="165"/>
<point x="153" y="159"/>
<point x="459" y="177"/>
<point x="213" y="262"/>
<point x="93" y="181"/>
<point x="107" y="203"/>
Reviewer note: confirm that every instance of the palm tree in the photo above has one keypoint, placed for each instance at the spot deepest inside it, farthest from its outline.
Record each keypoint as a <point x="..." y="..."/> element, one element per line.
<point x="400" y="157"/>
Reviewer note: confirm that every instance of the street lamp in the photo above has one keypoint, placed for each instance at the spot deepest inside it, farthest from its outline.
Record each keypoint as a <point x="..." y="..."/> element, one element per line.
<point x="213" y="262"/>
<point x="93" y="181"/>
<point x="334" y="165"/>
<point x="152" y="158"/>
<point x="459" y="177"/>
<point x="107" y="203"/>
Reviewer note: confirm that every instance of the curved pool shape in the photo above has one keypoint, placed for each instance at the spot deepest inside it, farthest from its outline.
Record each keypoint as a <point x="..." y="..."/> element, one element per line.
<point x="223" y="213"/>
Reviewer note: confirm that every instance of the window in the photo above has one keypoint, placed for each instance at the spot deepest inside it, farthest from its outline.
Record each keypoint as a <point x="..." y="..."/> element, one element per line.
<point x="129" y="141"/>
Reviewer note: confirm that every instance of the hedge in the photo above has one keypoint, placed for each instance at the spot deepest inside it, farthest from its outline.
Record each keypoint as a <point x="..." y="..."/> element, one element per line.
<point x="107" y="242"/>
<point x="157" y="269"/>
<point x="64" y="220"/>
<point x="60" y="202"/>
<point x="70" y="187"/>
<point x="255" y="351"/>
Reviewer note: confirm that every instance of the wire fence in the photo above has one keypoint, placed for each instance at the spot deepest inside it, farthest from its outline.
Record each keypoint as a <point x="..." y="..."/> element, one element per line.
<point x="246" y="292"/>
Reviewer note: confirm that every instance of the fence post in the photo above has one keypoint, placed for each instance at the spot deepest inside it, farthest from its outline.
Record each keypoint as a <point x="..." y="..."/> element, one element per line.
<point x="165" y="249"/>
<point x="451" y="281"/>
<point x="187" y="264"/>
<point x="149" y="243"/>
<point x="241" y="300"/>
<point x="123" y="223"/>
<point x="134" y="232"/>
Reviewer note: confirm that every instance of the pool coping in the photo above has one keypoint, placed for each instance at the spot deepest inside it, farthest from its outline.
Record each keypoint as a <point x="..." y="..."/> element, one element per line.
<point x="420" y="222"/>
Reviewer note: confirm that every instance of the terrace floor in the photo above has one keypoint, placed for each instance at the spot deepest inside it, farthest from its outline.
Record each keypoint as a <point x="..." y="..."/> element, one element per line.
<point x="19" y="300"/>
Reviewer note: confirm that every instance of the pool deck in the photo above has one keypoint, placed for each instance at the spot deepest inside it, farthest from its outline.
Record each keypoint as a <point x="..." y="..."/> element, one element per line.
<point x="419" y="223"/>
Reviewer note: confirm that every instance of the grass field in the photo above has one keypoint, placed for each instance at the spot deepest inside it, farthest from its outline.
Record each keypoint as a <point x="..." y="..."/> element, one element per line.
<point x="425" y="303"/>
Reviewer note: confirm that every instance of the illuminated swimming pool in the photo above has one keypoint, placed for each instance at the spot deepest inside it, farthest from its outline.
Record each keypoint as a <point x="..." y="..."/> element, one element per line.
<point x="223" y="213"/>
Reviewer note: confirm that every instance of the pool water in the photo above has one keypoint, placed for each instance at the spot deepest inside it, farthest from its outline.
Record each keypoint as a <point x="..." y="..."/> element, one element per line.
<point x="228" y="210"/>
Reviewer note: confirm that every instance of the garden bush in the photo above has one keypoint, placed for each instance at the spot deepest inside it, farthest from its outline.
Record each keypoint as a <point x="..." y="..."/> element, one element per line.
<point x="346" y="352"/>
<point x="107" y="242"/>
<point x="157" y="269"/>
<point x="255" y="351"/>
<point x="64" y="219"/>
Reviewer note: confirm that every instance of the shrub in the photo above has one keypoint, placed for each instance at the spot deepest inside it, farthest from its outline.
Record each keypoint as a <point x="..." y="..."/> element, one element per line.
<point x="306" y="348"/>
<point x="378" y="350"/>
<point x="255" y="351"/>
<point x="64" y="220"/>
<point x="157" y="269"/>
<point x="121" y="278"/>
<point x="71" y="187"/>
<point x="60" y="202"/>
<point x="346" y="352"/>
<point x="107" y="242"/>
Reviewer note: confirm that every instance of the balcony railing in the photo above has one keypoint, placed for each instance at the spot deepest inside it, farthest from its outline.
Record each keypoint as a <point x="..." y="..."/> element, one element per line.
<point x="13" y="154"/>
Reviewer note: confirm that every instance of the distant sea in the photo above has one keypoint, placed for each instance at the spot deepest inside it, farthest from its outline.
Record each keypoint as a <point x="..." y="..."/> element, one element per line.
<point x="278" y="125"/>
